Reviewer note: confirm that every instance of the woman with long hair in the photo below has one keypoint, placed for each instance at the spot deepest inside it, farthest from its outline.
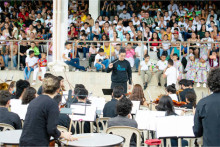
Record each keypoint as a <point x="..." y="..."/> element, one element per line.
<point x="29" y="94"/>
<point x="166" y="104"/>
<point x="138" y="95"/>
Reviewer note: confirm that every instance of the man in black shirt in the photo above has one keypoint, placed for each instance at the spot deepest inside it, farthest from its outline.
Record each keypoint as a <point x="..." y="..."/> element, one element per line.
<point x="121" y="71"/>
<point x="42" y="117"/>
<point x="206" y="120"/>
<point x="110" y="107"/>
<point x="186" y="87"/>
<point x="6" y="116"/>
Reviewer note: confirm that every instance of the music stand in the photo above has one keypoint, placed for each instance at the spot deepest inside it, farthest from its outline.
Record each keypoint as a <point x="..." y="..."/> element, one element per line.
<point x="107" y="91"/>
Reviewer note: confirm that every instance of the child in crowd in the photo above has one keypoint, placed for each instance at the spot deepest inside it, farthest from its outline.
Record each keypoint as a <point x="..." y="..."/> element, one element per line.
<point x="117" y="49"/>
<point x="92" y="53"/>
<point x="202" y="70"/>
<point x="145" y="68"/>
<point x="161" y="66"/>
<point x="165" y="46"/>
<point x="42" y="67"/>
<point x="138" y="52"/>
<point x="191" y="68"/>
<point x="82" y="47"/>
<point x="214" y="60"/>
<point x="101" y="61"/>
<point x="31" y="62"/>
<point x="34" y="48"/>
<point x="67" y="57"/>
<point x="178" y="65"/>
<point x="171" y="73"/>
<point x="130" y="54"/>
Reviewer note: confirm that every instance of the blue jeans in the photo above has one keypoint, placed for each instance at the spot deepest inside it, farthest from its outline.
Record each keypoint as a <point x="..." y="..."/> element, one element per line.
<point x="14" y="60"/>
<point x="75" y="63"/>
<point x="105" y="62"/>
<point x="85" y="50"/>
<point x="27" y="73"/>
<point x="137" y="62"/>
<point x="99" y="36"/>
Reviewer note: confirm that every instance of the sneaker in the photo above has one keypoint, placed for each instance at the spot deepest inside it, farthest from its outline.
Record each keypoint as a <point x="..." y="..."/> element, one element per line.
<point x="198" y="85"/>
<point x="33" y="84"/>
<point x="145" y="86"/>
<point x="136" y="70"/>
<point x="159" y="84"/>
<point x="84" y="59"/>
<point x="77" y="70"/>
<point x="204" y="85"/>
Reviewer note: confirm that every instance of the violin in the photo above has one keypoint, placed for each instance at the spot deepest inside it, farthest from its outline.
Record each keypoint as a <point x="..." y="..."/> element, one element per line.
<point x="175" y="103"/>
<point x="179" y="91"/>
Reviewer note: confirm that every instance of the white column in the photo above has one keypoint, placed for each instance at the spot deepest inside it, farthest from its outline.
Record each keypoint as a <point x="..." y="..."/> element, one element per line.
<point x="94" y="8"/>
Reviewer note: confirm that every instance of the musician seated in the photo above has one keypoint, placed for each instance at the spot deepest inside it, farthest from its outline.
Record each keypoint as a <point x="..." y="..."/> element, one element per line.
<point x="76" y="91"/>
<point x="6" y="116"/>
<point x="166" y="104"/>
<point x="138" y="95"/>
<point x="171" y="90"/>
<point x="110" y="107"/>
<point x="29" y="94"/>
<point x="187" y="86"/>
<point x="123" y="110"/>
<point x="40" y="90"/>
<point x="64" y="119"/>
<point x="191" y="100"/>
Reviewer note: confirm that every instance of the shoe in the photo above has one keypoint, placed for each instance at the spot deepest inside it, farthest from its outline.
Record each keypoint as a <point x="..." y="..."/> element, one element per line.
<point x="136" y="70"/>
<point x="84" y="59"/>
<point x="165" y="85"/>
<point x="204" y="85"/>
<point x="145" y="86"/>
<point x="159" y="84"/>
<point x="33" y="84"/>
<point x="77" y="70"/>
<point x="198" y="85"/>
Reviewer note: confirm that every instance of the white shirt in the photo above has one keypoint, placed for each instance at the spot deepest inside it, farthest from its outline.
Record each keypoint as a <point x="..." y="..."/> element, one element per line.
<point x="162" y="64"/>
<point x="174" y="7"/>
<point x="138" y="50"/>
<point x="136" y="23"/>
<point x="182" y="25"/>
<point x="173" y="97"/>
<point x="49" y="23"/>
<point x="172" y="75"/>
<point x="145" y="66"/>
<point x="98" y="57"/>
<point x="86" y="30"/>
<point x="167" y="18"/>
<point x="162" y="23"/>
<point x="120" y="7"/>
<point x="190" y="29"/>
<point x="145" y="7"/>
<point x="166" y="46"/>
<point x="96" y="30"/>
<point x="66" y="54"/>
<point x="208" y="40"/>
<point x="31" y="61"/>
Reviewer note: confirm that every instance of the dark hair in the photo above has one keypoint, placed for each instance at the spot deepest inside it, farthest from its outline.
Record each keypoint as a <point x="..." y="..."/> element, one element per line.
<point x="214" y="80"/>
<point x="170" y="62"/>
<point x="146" y="55"/>
<point x="5" y="96"/>
<point x="82" y="93"/>
<point x="122" y="51"/>
<point x="60" y="78"/>
<point x="67" y="43"/>
<point x="175" y="54"/>
<point x="50" y="85"/>
<point x="182" y="81"/>
<point x="187" y="83"/>
<point x="20" y="86"/>
<point x="124" y="107"/>
<point x="166" y="104"/>
<point x="171" y="88"/>
<point x="48" y="75"/>
<point x="101" y="50"/>
<point x="211" y="16"/>
<point x="29" y="95"/>
<point x="163" y="54"/>
<point x="118" y="91"/>
<point x="191" y="96"/>
<point x="31" y="52"/>
<point x="58" y="98"/>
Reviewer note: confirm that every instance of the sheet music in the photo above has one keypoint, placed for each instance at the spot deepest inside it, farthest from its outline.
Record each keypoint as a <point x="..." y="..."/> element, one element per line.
<point x="89" y="116"/>
<point x="79" y="109"/>
<point x="135" y="107"/>
<point x="98" y="102"/>
<point x="141" y="119"/>
<point x="174" y="126"/>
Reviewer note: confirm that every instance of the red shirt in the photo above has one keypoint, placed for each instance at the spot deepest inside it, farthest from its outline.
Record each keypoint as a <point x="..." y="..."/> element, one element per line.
<point x="20" y="15"/>
<point x="154" y="44"/>
<point x="42" y="62"/>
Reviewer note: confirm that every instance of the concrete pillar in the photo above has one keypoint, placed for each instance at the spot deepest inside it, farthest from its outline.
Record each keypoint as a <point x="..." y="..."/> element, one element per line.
<point x="94" y="8"/>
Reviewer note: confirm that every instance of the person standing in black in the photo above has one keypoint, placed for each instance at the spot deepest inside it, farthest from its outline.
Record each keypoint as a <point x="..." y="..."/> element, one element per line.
<point x="42" y="117"/>
<point x="121" y="71"/>
<point x="206" y="119"/>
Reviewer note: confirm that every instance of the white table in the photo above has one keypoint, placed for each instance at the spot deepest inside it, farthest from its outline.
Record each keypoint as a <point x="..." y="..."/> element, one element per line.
<point x="95" y="139"/>
<point x="10" y="137"/>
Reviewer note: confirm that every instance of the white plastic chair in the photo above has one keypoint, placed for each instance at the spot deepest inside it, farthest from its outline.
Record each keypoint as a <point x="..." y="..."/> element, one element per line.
<point x="104" y="123"/>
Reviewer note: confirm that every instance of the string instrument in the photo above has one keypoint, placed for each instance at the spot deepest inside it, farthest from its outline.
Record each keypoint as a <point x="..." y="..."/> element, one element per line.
<point x="4" y="86"/>
<point x="175" y="103"/>
<point x="179" y="91"/>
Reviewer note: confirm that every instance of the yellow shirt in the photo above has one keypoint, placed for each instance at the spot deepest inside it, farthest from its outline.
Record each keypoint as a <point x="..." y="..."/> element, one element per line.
<point x="107" y="50"/>
<point x="169" y="35"/>
<point x="83" y="18"/>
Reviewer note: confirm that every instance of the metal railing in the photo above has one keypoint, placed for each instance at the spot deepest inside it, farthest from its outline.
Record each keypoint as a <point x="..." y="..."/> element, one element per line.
<point x="147" y="43"/>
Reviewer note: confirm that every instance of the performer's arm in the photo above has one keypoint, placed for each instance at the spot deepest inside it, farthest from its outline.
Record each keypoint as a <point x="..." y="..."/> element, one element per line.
<point x="110" y="68"/>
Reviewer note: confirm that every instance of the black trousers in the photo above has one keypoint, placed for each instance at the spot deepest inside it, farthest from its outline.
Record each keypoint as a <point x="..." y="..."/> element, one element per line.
<point x="124" y="85"/>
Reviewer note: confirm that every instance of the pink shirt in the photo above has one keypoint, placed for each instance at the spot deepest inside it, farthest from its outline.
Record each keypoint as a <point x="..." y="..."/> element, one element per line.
<point x="92" y="51"/>
<point x="130" y="53"/>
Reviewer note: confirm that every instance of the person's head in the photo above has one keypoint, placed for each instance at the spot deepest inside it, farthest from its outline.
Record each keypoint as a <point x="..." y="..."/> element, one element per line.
<point x="175" y="57"/>
<point x="207" y="34"/>
<point x="122" y="54"/>
<point x="51" y="86"/>
<point x="123" y="107"/>
<point x="171" y="89"/>
<point x="101" y="52"/>
<point x="165" y="104"/>
<point x="165" y="37"/>
<point x="29" y="94"/>
<point x="129" y="46"/>
<point x="43" y="55"/>
<point x="33" y="44"/>
<point x="147" y="15"/>
<point x="61" y="79"/>
<point x="11" y="87"/>
<point x="89" y="16"/>
<point x="146" y="57"/>
<point x="191" y="97"/>
<point x="31" y="53"/>
<point x="170" y="62"/>
<point x="163" y="57"/>
<point x="137" y="94"/>
<point x="5" y="97"/>
<point x="203" y="59"/>
<point x="186" y="84"/>
<point x="21" y="85"/>
<point x="181" y="82"/>
<point x="48" y="75"/>
<point x="214" y="80"/>
<point x="211" y="18"/>
<point x="68" y="45"/>
<point x="82" y="94"/>
<point x="192" y="57"/>
<point x="118" y="92"/>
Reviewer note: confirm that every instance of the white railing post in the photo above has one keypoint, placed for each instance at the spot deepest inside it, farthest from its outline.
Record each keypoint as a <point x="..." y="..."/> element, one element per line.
<point x="18" y="56"/>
